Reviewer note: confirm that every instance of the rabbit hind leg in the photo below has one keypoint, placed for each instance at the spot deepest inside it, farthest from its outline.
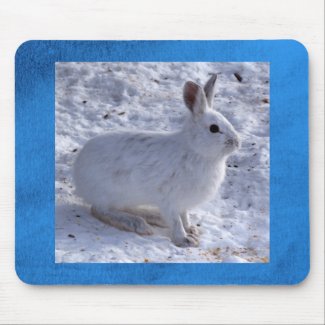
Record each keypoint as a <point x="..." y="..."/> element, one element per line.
<point x="123" y="220"/>
<point x="152" y="216"/>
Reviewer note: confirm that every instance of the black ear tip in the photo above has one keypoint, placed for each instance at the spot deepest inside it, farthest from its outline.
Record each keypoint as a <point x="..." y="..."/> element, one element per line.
<point x="213" y="77"/>
<point x="210" y="83"/>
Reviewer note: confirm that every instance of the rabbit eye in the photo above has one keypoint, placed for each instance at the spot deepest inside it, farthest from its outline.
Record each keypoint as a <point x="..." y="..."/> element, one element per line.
<point x="214" y="128"/>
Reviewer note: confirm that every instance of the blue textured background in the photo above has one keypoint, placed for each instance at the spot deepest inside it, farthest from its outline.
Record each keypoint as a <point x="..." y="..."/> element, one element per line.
<point x="35" y="170"/>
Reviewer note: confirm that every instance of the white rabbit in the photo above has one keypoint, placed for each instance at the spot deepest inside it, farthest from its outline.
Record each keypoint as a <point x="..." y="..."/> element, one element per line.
<point x="172" y="171"/>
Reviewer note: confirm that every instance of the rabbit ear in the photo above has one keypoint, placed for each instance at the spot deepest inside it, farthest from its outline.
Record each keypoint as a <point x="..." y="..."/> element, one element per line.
<point x="209" y="89"/>
<point x="194" y="98"/>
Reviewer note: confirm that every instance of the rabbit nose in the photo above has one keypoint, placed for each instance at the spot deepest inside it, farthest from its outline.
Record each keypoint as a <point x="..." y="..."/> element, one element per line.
<point x="233" y="142"/>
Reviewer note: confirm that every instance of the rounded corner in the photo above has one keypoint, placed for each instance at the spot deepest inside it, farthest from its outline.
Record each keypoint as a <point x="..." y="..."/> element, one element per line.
<point x="23" y="46"/>
<point x="22" y="277"/>
<point x="302" y="277"/>
<point x="300" y="46"/>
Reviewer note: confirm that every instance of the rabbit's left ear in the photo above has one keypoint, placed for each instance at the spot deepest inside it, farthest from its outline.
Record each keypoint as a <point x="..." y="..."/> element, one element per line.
<point x="194" y="98"/>
<point x="209" y="89"/>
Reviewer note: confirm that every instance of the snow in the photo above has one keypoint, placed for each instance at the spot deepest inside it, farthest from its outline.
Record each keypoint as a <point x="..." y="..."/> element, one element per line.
<point x="94" y="98"/>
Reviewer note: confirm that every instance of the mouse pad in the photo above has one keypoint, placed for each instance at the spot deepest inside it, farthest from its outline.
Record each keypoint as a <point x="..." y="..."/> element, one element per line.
<point x="162" y="162"/>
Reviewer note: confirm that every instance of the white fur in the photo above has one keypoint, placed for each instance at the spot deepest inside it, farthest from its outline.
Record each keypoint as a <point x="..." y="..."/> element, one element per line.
<point x="171" y="171"/>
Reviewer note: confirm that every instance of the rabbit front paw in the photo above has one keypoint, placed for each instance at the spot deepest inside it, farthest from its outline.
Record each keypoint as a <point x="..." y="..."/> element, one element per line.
<point x="193" y="230"/>
<point x="187" y="241"/>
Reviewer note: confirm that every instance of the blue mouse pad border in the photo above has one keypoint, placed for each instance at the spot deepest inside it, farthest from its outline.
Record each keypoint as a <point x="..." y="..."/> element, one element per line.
<point x="35" y="163"/>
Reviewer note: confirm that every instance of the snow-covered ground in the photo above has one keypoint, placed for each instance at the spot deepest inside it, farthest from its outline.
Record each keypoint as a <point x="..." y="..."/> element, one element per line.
<point x="94" y="98"/>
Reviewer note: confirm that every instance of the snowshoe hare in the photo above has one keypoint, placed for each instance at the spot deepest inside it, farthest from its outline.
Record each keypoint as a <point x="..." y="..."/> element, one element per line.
<point x="173" y="171"/>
